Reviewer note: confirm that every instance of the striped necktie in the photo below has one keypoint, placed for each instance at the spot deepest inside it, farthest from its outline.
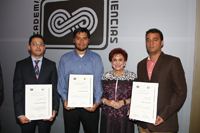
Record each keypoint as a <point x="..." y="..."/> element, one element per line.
<point x="37" y="69"/>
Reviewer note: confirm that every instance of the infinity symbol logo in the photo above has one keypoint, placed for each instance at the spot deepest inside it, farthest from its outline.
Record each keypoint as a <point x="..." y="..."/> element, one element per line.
<point x="61" y="22"/>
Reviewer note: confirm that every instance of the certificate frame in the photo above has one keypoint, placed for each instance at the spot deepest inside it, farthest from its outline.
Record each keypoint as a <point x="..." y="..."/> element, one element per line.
<point x="80" y="90"/>
<point x="38" y="101"/>
<point x="143" y="105"/>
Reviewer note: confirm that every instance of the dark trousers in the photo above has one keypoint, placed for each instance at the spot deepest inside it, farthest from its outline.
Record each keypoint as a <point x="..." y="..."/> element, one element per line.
<point x="43" y="126"/>
<point x="89" y="120"/>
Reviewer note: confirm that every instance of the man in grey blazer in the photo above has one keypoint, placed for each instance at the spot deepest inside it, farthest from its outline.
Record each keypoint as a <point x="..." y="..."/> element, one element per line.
<point x="166" y="70"/>
<point x="25" y="74"/>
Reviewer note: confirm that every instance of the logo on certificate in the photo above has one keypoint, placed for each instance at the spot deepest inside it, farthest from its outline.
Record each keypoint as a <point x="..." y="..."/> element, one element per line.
<point x="59" y="18"/>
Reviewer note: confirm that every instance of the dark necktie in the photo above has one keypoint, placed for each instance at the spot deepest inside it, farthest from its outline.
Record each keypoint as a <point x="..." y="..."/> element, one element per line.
<point x="37" y="68"/>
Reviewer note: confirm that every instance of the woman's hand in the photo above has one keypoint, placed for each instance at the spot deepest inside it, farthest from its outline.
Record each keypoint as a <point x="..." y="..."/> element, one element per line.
<point x="109" y="102"/>
<point x="118" y="104"/>
<point x="114" y="104"/>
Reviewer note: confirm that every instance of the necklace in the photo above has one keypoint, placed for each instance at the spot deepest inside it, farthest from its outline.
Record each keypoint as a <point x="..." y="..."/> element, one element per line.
<point x="119" y="73"/>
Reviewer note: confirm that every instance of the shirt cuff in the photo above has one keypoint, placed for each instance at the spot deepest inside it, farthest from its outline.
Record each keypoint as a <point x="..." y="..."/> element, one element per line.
<point x="64" y="97"/>
<point x="97" y="100"/>
<point x="19" y="116"/>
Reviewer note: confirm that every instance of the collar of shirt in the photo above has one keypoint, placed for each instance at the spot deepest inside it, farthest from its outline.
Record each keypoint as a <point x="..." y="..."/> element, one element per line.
<point x="39" y="64"/>
<point x="78" y="56"/>
<point x="81" y="55"/>
<point x="149" y="59"/>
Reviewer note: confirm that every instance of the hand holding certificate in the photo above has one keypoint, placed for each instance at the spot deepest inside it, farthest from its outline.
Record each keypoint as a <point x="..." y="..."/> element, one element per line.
<point x="80" y="91"/>
<point x="38" y="102"/>
<point x="144" y="102"/>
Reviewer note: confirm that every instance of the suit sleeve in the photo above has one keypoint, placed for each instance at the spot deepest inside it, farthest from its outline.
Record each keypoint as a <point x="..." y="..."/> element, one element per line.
<point x="54" y="80"/>
<point x="18" y="86"/>
<point x="179" y="88"/>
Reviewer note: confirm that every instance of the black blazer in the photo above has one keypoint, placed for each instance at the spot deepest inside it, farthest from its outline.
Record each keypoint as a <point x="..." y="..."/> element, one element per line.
<point x="25" y="74"/>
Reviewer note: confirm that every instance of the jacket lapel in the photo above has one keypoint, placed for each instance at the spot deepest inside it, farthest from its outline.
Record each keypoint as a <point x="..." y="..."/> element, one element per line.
<point x="157" y="67"/>
<point x="143" y="71"/>
<point x="31" y="68"/>
<point x="146" y="73"/>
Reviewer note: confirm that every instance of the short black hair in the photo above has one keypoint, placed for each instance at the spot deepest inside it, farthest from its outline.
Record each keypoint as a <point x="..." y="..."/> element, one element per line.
<point x="154" y="30"/>
<point x="81" y="30"/>
<point x="35" y="36"/>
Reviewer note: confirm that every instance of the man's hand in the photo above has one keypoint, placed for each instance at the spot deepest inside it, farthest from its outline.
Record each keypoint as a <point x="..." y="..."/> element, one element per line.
<point x="52" y="117"/>
<point x="92" y="109"/>
<point x="128" y="112"/>
<point x="67" y="108"/>
<point x="23" y="119"/>
<point x="159" y="120"/>
<point x="128" y="115"/>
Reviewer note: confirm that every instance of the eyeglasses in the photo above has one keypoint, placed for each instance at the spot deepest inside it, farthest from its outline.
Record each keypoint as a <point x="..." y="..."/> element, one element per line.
<point x="41" y="44"/>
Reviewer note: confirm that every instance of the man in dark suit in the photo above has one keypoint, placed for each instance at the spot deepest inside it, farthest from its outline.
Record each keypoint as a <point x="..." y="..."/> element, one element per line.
<point x="46" y="73"/>
<point x="166" y="70"/>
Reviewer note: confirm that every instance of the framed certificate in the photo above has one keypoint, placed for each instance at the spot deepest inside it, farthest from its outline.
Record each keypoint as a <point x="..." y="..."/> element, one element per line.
<point x="143" y="105"/>
<point x="80" y="91"/>
<point x="38" y="101"/>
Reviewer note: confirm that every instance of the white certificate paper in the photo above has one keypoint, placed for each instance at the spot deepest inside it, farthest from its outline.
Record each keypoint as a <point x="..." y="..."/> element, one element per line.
<point x="80" y="91"/>
<point x="144" y="102"/>
<point x="38" y="101"/>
